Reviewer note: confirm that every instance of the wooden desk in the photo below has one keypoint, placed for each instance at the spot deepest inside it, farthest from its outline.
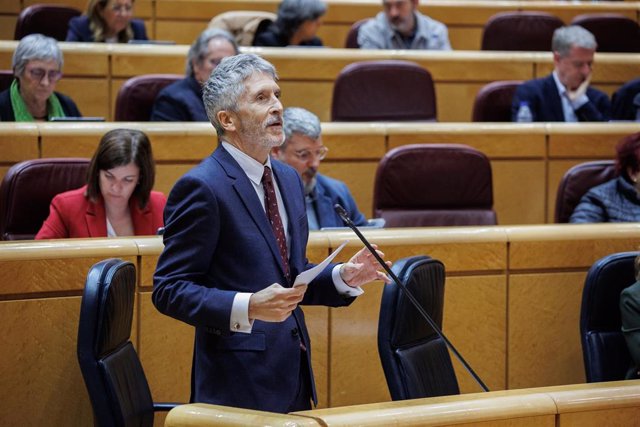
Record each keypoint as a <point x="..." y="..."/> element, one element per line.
<point x="493" y="274"/>
<point x="182" y="20"/>
<point x="95" y="72"/>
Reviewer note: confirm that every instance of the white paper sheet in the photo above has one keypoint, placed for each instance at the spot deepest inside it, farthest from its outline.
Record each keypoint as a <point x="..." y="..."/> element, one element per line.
<point x="307" y="276"/>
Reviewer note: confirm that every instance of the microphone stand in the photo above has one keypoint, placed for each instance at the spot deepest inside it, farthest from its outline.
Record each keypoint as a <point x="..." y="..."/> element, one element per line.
<point x="345" y="217"/>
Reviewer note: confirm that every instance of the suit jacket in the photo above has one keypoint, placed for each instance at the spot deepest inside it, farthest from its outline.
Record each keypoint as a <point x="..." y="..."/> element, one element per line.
<point x="6" y="110"/>
<point x="217" y="242"/>
<point x="273" y="36"/>
<point x="546" y="106"/>
<point x="73" y="215"/>
<point x="630" y="314"/>
<point x="622" y="107"/>
<point x="327" y="193"/>
<point x="180" y="102"/>
<point x="79" y="30"/>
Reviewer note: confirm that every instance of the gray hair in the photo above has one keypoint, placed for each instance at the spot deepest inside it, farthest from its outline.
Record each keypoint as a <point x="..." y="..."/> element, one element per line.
<point x="35" y="47"/>
<point x="573" y="35"/>
<point x="226" y="84"/>
<point x="300" y="121"/>
<point x="200" y="46"/>
<point x="292" y="13"/>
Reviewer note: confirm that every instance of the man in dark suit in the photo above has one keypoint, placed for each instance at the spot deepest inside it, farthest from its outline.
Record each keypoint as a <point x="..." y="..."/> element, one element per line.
<point x="235" y="238"/>
<point x="303" y="150"/>
<point x="565" y="95"/>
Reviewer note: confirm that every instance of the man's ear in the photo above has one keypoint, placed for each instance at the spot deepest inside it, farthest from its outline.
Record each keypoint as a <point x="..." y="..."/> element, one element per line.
<point x="227" y="120"/>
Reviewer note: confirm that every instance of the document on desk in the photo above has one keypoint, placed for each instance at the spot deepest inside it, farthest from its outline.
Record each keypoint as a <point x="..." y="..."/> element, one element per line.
<point x="307" y="276"/>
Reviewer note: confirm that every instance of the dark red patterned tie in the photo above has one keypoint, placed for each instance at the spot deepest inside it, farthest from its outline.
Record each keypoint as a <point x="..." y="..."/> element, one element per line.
<point x="273" y="215"/>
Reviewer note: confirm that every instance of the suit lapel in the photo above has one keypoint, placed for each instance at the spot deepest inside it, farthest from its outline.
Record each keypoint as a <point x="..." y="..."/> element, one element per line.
<point x="551" y="90"/>
<point x="96" y="219"/>
<point x="247" y="195"/>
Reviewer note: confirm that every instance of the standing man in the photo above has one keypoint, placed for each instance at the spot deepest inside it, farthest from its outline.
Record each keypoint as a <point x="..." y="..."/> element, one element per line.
<point x="303" y="150"/>
<point x="235" y="238"/>
<point x="565" y="95"/>
<point x="401" y="26"/>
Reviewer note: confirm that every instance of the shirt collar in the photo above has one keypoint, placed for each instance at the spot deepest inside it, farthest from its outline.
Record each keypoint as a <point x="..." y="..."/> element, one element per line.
<point x="562" y="89"/>
<point x="251" y="167"/>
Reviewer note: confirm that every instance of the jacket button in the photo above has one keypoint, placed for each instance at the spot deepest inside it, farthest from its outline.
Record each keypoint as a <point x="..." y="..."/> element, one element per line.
<point x="294" y="332"/>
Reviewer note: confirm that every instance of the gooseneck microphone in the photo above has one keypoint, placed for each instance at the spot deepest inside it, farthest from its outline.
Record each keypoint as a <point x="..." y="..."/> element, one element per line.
<point x="345" y="217"/>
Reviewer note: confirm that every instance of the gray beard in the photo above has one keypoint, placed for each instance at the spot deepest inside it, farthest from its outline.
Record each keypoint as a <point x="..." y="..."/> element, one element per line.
<point x="308" y="188"/>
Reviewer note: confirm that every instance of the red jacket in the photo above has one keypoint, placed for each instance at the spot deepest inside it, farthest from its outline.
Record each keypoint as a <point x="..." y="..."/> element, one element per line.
<point x="73" y="215"/>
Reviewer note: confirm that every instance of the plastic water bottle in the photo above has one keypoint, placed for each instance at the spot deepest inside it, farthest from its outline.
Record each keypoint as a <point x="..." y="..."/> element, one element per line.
<point x="524" y="113"/>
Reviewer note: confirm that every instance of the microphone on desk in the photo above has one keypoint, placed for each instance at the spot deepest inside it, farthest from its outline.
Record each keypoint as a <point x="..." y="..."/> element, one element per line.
<point x="345" y="217"/>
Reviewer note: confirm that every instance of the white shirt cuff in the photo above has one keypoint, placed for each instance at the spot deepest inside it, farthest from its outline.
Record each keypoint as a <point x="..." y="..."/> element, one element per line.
<point x="239" y="321"/>
<point x="341" y="286"/>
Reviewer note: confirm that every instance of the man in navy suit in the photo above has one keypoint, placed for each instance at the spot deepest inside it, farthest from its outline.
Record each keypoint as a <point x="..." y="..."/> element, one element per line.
<point x="565" y="95"/>
<point x="235" y="238"/>
<point x="303" y="150"/>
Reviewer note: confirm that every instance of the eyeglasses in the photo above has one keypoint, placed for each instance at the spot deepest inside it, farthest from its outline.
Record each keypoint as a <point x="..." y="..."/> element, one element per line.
<point x="39" y="73"/>
<point x="305" y="155"/>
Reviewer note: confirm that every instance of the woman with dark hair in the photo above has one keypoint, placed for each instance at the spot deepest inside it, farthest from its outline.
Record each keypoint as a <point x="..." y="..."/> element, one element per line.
<point x="297" y="23"/>
<point x="107" y="21"/>
<point x="37" y="68"/>
<point x="616" y="200"/>
<point x="117" y="200"/>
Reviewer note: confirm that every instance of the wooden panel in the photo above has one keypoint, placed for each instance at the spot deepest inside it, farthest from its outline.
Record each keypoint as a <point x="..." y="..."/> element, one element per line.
<point x="317" y="98"/>
<point x="544" y="338"/>
<point x="359" y="177"/>
<point x="181" y="32"/>
<point x="456" y="112"/>
<point x="586" y="140"/>
<point x="611" y="417"/>
<point x="557" y="169"/>
<point x="475" y="321"/>
<point x="41" y="365"/>
<point x="165" y="349"/>
<point x="133" y="60"/>
<point x="518" y="189"/>
<point x="19" y="142"/>
<point x="90" y="95"/>
<point x="346" y="142"/>
<point x="44" y="275"/>
<point x="317" y="321"/>
<point x="167" y="175"/>
<point x="7" y="27"/>
<point x="465" y="38"/>
<point x="10" y="6"/>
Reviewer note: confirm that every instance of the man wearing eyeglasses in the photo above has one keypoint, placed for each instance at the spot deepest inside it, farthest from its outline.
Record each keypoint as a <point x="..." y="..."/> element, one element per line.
<point x="303" y="150"/>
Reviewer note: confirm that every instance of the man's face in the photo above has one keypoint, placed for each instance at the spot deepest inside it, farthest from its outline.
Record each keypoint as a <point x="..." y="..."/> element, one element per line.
<point x="304" y="154"/>
<point x="217" y="49"/>
<point x="259" y="116"/>
<point x="574" y="68"/>
<point x="400" y="14"/>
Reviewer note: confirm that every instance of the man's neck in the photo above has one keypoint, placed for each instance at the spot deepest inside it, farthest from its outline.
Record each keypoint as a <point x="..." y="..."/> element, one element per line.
<point x="257" y="153"/>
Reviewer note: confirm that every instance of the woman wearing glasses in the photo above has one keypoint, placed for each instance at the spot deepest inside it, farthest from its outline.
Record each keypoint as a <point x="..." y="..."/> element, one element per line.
<point x="107" y="21"/>
<point x="37" y="67"/>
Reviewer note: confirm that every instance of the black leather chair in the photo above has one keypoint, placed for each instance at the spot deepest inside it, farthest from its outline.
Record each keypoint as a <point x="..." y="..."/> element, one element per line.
<point x="28" y="188"/>
<point x="352" y="36"/>
<point x="623" y="106"/>
<point x="605" y="352"/>
<point x="493" y="101"/>
<point x="434" y="185"/>
<point x="136" y="96"/>
<point x="613" y="32"/>
<point x="520" y="31"/>
<point x="414" y="358"/>
<point x="386" y="90"/>
<point x="49" y="19"/>
<point x="110" y="366"/>
<point x="576" y="182"/>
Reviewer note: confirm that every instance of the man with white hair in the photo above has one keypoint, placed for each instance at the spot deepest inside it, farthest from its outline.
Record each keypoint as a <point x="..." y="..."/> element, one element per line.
<point x="565" y="95"/>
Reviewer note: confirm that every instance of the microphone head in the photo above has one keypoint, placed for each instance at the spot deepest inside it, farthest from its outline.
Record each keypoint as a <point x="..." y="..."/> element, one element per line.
<point x="340" y="210"/>
<point x="636" y="100"/>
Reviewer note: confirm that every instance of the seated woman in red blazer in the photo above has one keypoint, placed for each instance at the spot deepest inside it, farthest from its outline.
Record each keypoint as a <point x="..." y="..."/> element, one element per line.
<point x="117" y="200"/>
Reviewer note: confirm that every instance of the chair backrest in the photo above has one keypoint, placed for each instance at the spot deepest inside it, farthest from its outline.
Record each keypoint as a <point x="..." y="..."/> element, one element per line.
<point x="434" y="185"/>
<point x="605" y="352"/>
<point x="48" y="19"/>
<point x="244" y="25"/>
<point x="613" y="32"/>
<point x="28" y="188"/>
<point x="576" y="182"/>
<point x="6" y="77"/>
<point x="414" y="358"/>
<point x="493" y="101"/>
<point x="110" y="366"/>
<point x="386" y="90"/>
<point x="136" y="96"/>
<point x="351" y="41"/>
<point x="528" y="31"/>
<point x="623" y="106"/>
